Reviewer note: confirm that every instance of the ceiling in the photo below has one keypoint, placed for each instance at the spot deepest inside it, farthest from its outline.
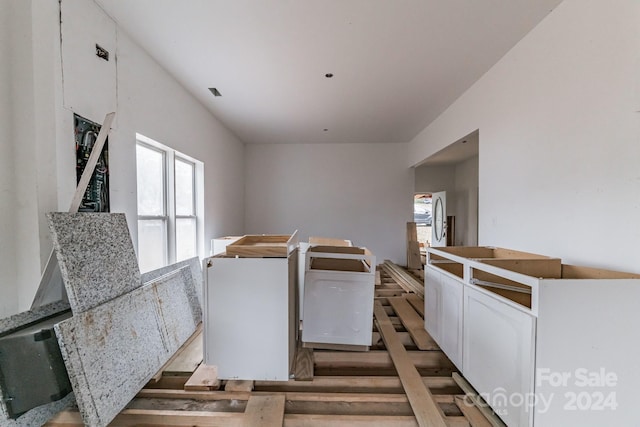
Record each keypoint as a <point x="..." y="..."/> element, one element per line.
<point x="396" y="65"/>
<point x="459" y="151"/>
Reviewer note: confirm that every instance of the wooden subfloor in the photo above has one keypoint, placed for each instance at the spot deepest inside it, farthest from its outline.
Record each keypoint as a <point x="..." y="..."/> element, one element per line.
<point x="404" y="380"/>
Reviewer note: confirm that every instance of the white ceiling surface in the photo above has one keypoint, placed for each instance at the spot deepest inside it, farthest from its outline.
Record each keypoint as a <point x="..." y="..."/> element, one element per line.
<point x="461" y="150"/>
<point x="397" y="64"/>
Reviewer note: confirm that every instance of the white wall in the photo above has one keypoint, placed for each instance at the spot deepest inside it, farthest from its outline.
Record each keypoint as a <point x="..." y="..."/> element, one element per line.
<point x="146" y="100"/>
<point x="466" y="202"/>
<point x="432" y="178"/>
<point x="361" y="192"/>
<point x="9" y="293"/>
<point x="560" y="144"/>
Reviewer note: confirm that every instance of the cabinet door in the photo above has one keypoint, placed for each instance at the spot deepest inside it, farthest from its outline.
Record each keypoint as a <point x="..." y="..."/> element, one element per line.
<point x="451" y="318"/>
<point x="432" y="302"/>
<point x="248" y="307"/>
<point x="499" y="354"/>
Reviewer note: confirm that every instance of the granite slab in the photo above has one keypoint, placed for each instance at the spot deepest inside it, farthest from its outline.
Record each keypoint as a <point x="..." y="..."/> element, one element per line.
<point x="96" y="257"/>
<point x="194" y="264"/>
<point x="27" y="318"/>
<point x="113" y="350"/>
<point x="40" y="415"/>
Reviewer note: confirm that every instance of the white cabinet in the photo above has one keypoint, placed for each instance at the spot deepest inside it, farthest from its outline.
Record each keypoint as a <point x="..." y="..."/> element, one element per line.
<point x="432" y="297"/>
<point x="443" y="312"/>
<point x="451" y="318"/>
<point x="499" y="342"/>
<point x="338" y="296"/>
<point x="219" y="245"/>
<point x="545" y="343"/>
<point x="250" y="322"/>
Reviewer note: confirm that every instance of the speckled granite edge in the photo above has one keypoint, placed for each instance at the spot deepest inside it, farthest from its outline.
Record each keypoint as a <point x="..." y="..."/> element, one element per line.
<point x="196" y="270"/>
<point x="113" y="350"/>
<point x="96" y="257"/>
<point x="40" y="415"/>
<point x="17" y="321"/>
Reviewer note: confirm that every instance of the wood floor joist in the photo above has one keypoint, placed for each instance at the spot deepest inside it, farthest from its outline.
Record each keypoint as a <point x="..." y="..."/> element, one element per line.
<point x="413" y="323"/>
<point x="395" y="384"/>
<point x="426" y="411"/>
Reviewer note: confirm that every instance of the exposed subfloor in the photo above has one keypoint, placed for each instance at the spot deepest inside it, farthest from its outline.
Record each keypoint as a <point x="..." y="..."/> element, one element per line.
<point x="404" y="380"/>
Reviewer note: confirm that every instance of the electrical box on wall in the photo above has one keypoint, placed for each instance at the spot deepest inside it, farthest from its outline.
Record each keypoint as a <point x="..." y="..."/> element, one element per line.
<point x="96" y="196"/>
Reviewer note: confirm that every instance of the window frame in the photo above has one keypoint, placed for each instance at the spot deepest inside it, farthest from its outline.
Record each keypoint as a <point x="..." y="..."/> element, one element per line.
<point x="170" y="157"/>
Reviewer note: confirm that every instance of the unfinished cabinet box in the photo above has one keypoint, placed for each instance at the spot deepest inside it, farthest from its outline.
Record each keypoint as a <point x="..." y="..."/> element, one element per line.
<point x="444" y="286"/>
<point x="302" y="259"/>
<point x="250" y="309"/>
<point x="547" y="343"/>
<point x="338" y="297"/>
<point x="219" y="245"/>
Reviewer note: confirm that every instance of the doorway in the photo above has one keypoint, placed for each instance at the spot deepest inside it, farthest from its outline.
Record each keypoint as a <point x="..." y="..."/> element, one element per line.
<point x="454" y="169"/>
<point x="422" y="216"/>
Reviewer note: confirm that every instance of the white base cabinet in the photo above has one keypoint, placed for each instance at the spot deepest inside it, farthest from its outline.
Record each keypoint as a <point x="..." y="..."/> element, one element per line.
<point x="338" y="296"/>
<point x="544" y="343"/>
<point x="499" y="342"/>
<point x="250" y="316"/>
<point x="443" y="312"/>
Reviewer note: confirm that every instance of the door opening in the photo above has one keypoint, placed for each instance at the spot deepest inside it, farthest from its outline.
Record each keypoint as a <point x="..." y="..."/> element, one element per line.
<point x="422" y="216"/>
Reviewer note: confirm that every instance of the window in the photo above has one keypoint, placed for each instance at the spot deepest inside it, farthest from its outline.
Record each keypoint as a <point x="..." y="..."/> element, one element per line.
<point x="168" y="205"/>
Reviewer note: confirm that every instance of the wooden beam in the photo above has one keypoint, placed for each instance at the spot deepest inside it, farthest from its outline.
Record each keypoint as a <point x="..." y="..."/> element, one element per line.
<point x="150" y="417"/>
<point x="389" y="292"/>
<point x="482" y="406"/>
<point x="303" y="364"/>
<point x="205" y="378"/>
<point x="414" y="261"/>
<point x="316" y="420"/>
<point x="417" y="302"/>
<point x="341" y="347"/>
<point x="413" y="323"/>
<point x="471" y="412"/>
<point x="304" y="396"/>
<point x="352" y="384"/>
<point x="267" y="411"/>
<point x="196" y="336"/>
<point x="359" y="388"/>
<point x="91" y="162"/>
<point x="404" y="279"/>
<point x="51" y="277"/>
<point x="426" y="411"/>
<point x="380" y="359"/>
<point x="189" y="358"/>
<point x="154" y="417"/>
<point x="239" y="385"/>
<point x="378" y="344"/>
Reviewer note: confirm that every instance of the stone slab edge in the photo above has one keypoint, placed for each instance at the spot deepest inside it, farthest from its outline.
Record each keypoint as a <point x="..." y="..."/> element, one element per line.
<point x="96" y="257"/>
<point x="113" y="350"/>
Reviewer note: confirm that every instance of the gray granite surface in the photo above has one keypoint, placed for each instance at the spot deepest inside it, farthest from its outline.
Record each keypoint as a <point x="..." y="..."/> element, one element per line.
<point x="96" y="257"/>
<point x="20" y="320"/>
<point x="40" y="415"/>
<point x="194" y="264"/>
<point x="113" y="350"/>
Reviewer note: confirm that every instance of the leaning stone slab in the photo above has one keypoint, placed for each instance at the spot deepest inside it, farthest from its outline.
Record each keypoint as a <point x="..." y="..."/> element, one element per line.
<point x="40" y="415"/>
<point x="8" y="325"/>
<point x="27" y="318"/>
<point x="113" y="350"/>
<point x="194" y="265"/>
<point x="96" y="257"/>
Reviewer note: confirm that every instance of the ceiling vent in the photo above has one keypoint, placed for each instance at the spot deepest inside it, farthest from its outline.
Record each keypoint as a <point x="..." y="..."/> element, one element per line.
<point x="215" y="91"/>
